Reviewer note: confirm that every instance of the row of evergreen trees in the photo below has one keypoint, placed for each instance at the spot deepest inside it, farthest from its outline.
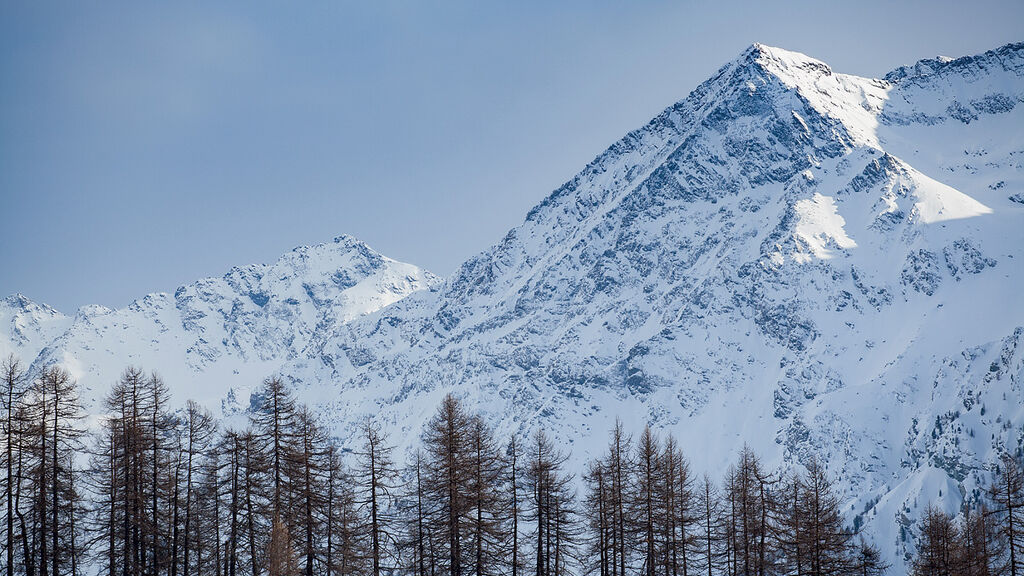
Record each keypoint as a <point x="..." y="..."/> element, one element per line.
<point x="165" y="492"/>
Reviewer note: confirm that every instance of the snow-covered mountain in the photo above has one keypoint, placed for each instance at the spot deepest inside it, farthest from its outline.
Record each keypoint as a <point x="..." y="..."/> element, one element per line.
<point x="218" y="336"/>
<point x="809" y="262"/>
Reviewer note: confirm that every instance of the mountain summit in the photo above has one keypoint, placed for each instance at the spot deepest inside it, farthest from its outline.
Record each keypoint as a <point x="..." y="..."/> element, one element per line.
<point x="815" y="263"/>
<point x="216" y="333"/>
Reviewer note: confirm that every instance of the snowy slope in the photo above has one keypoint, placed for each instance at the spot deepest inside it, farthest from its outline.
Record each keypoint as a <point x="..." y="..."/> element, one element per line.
<point x="215" y="339"/>
<point x="28" y="326"/>
<point x="810" y="262"/>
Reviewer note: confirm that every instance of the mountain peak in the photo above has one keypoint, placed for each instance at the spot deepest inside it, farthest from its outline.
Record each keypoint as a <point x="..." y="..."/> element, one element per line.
<point x="786" y="241"/>
<point x="340" y="245"/>
<point x="348" y="240"/>
<point x="786" y="64"/>
<point x="759" y="49"/>
<point x="21" y="303"/>
<point x="17" y="300"/>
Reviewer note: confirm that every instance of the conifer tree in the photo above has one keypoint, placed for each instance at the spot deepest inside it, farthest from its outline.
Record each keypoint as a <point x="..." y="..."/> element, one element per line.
<point x="245" y="546"/>
<point x="645" y="507"/>
<point x="618" y="467"/>
<point x="199" y="436"/>
<point x="597" y="515"/>
<point x="13" y="377"/>
<point x="676" y="517"/>
<point x="711" y="532"/>
<point x="252" y="471"/>
<point x="377" y="476"/>
<point x="273" y="427"/>
<point x="448" y="450"/>
<point x="825" y="542"/>
<point x="232" y="448"/>
<point x="159" y="425"/>
<point x="550" y="507"/>
<point x="54" y="414"/>
<point x="868" y="560"/>
<point x="132" y="472"/>
<point x="747" y="493"/>
<point x="789" y="529"/>
<point x="305" y="462"/>
<point x="486" y="524"/>
<point x="513" y="455"/>
<point x="978" y="541"/>
<point x="1007" y="496"/>
<point x="206" y="533"/>
<point x="418" y="513"/>
<point x="345" y="537"/>
<point x="937" y="548"/>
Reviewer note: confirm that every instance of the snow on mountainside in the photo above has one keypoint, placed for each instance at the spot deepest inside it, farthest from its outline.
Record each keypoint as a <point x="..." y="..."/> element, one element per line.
<point x="218" y="334"/>
<point x="28" y="326"/>
<point x="806" y="261"/>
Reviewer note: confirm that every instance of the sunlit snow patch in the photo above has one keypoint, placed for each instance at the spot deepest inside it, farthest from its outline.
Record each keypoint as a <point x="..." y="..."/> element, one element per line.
<point x="937" y="202"/>
<point x="820" y="226"/>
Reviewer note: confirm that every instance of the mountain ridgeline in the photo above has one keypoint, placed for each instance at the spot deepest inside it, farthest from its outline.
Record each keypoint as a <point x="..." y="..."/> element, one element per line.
<point x="821" y="266"/>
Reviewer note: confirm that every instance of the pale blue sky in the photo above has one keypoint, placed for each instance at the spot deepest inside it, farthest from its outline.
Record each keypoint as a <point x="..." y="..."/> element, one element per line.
<point x="146" y="145"/>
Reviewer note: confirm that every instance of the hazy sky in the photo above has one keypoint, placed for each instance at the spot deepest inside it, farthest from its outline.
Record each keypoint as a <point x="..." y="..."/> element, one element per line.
<point x="143" y="146"/>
